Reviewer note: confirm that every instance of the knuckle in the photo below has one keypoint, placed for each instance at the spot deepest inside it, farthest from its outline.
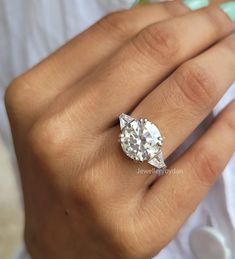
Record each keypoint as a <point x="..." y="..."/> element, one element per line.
<point x="10" y="94"/>
<point x="227" y="46"/>
<point x="47" y="141"/>
<point x="195" y="84"/>
<point x="207" y="164"/>
<point x="117" y="24"/>
<point x="14" y="93"/>
<point x="220" y="25"/>
<point x="18" y="97"/>
<point x="36" y="139"/>
<point x="158" y="42"/>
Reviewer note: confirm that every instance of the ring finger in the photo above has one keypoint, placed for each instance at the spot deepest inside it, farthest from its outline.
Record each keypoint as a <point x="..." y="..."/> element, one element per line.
<point x="181" y="102"/>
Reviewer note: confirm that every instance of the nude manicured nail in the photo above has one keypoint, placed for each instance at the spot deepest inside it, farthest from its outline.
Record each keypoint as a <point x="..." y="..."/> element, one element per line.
<point x="229" y="9"/>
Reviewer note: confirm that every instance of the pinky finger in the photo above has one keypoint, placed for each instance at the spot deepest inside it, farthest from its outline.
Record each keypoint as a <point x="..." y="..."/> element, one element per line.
<point x="199" y="168"/>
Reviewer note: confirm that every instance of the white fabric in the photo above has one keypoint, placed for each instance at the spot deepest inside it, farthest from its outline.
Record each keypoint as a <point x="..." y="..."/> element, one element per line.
<point x="207" y="242"/>
<point x="31" y="29"/>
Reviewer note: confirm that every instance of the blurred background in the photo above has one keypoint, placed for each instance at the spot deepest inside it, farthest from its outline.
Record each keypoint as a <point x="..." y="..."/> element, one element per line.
<point x="11" y="216"/>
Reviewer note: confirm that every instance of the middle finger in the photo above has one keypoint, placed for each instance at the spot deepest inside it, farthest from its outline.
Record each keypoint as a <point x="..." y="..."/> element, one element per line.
<point x="181" y="102"/>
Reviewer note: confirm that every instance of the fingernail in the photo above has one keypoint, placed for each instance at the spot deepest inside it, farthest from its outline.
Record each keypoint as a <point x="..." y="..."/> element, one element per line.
<point x="196" y="4"/>
<point x="229" y="9"/>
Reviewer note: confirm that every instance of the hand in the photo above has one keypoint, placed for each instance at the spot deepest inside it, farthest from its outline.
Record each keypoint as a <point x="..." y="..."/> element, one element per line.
<point x="83" y="196"/>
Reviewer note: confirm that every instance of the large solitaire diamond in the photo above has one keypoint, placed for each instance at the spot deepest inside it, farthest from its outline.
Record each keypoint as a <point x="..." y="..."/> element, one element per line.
<point x="140" y="139"/>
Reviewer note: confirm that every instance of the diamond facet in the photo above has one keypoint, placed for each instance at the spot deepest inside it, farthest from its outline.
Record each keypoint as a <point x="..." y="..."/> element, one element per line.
<point x="124" y="120"/>
<point x="158" y="161"/>
<point x="140" y="139"/>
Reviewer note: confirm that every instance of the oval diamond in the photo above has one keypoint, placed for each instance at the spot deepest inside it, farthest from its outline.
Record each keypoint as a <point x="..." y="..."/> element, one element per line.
<point x="139" y="140"/>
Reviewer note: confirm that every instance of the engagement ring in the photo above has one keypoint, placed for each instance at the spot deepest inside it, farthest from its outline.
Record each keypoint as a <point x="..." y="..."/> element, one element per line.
<point x="141" y="141"/>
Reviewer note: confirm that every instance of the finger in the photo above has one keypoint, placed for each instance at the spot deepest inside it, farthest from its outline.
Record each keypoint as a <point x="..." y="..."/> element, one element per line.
<point x="175" y="196"/>
<point x="121" y="82"/>
<point x="177" y="106"/>
<point x="180" y="103"/>
<point x="81" y="55"/>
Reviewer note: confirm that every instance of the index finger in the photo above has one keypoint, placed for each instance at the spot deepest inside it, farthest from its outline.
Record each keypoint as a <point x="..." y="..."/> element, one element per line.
<point x="79" y="56"/>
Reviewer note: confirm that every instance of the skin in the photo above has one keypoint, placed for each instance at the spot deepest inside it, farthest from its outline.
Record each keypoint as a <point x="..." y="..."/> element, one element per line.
<point x="83" y="197"/>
